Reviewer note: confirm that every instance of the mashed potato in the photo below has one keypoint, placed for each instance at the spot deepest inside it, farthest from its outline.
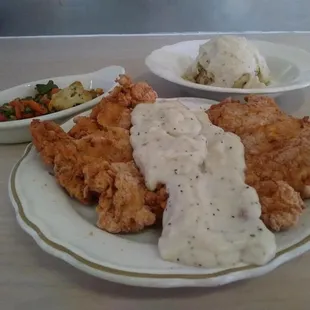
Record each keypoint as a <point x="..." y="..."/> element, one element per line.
<point x="229" y="61"/>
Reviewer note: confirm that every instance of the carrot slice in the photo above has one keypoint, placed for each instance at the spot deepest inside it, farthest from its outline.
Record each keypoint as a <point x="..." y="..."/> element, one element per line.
<point x="35" y="107"/>
<point x="18" y="108"/>
<point x="18" y="112"/>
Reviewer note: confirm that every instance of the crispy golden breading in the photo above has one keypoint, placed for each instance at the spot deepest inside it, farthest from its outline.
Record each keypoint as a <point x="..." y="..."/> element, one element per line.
<point x="157" y="201"/>
<point x="68" y="169"/>
<point x="277" y="148"/>
<point x="239" y="118"/>
<point x="58" y="149"/>
<point x="111" y="144"/>
<point x="127" y="94"/>
<point x="94" y="160"/>
<point x="121" y="205"/>
<point x="83" y="126"/>
<point x="47" y="137"/>
<point x="281" y="205"/>
<point x="114" y="115"/>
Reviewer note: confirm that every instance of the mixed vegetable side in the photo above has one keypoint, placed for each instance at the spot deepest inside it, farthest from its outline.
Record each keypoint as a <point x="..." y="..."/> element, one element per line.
<point x="49" y="98"/>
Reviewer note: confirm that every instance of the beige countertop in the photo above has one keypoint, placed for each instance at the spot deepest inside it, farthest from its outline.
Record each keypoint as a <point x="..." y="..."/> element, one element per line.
<point x="32" y="279"/>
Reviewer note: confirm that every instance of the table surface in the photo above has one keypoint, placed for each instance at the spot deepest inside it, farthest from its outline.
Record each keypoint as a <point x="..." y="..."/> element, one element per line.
<point x="32" y="279"/>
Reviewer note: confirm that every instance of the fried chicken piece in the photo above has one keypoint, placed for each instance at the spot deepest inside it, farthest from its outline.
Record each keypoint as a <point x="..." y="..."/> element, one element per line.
<point x="58" y="149"/>
<point x="83" y="127"/>
<point x="114" y="115"/>
<point x="127" y="94"/>
<point x="111" y="144"/>
<point x="157" y="201"/>
<point x="69" y="156"/>
<point x="99" y="176"/>
<point x="272" y="136"/>
<point x="277" y="148"/>
<point x="281" y="204"/>
<point x="289" y="163"/>
<point x="94" y="160"/>
<point x="121" y="205"/>
<point x="47" y="137"/>
<point x="68" y="169"/>
<point x="239" y="118"/>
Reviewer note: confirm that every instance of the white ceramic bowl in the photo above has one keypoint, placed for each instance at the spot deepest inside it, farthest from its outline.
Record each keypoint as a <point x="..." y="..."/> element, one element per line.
<point x="18" y="131"/>
<point x="289" y="66"/>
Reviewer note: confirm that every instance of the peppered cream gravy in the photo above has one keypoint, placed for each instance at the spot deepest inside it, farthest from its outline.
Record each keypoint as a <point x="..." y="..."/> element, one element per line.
<point x="212" y="216"/>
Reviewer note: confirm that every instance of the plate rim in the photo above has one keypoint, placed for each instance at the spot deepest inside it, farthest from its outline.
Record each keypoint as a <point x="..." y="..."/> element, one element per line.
<point x="180" y="81"/>
<point x="138" y="278"/>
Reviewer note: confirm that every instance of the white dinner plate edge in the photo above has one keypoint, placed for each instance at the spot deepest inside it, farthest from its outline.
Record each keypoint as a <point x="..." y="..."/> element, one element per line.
<point x="156" y="281"/>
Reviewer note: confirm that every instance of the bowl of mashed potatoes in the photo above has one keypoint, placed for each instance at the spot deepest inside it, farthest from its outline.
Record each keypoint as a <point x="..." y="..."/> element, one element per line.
<point x="231" y="65"/>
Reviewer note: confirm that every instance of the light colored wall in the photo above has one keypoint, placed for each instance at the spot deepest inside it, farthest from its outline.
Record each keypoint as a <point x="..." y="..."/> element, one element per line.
<point x="46" y="17"/>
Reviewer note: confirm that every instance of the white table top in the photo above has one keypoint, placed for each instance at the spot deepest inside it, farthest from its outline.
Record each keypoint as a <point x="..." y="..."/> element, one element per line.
<point x="32" y="279"/>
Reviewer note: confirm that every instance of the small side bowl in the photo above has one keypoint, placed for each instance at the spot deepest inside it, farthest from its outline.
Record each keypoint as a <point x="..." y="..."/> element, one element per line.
<point x="289" y="66"/>
<point x="12" y="132"/>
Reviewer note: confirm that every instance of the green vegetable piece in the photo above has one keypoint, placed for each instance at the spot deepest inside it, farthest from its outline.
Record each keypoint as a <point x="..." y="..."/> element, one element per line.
<point x="7" y="110"/>
<point x="43" y="89"/>
<point x="28" y="110"/>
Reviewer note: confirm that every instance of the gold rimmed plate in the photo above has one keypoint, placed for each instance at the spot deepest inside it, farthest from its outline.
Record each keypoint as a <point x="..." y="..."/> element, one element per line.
<point x="66" y="229"/>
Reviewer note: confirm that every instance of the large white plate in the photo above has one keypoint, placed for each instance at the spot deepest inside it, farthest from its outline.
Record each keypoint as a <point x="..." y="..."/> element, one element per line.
<point x="64" y="228"/>
<point x="289" y="66"/>
<point x="18" y="131"/>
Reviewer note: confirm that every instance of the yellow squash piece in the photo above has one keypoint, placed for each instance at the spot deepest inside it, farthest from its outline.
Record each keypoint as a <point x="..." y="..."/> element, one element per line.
<point x="69" y="97"/>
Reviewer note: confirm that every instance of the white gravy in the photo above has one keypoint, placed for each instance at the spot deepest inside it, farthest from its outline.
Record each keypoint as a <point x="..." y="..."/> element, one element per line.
<point x="212" y="216"/>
